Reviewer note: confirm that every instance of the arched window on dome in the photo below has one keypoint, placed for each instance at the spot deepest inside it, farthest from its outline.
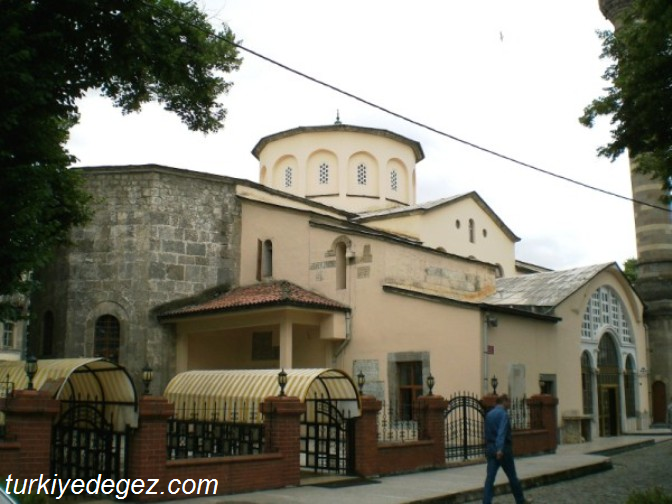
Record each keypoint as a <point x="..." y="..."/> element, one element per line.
<point x="361" y="174"/>
<point x="289" y="176"/>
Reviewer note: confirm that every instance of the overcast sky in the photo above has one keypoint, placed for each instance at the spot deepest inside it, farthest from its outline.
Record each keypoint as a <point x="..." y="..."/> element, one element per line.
<point x="511" y="76"/>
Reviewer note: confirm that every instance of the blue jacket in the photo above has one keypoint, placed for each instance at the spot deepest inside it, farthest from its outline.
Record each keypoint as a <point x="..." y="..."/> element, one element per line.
<point x="497" y="428"/>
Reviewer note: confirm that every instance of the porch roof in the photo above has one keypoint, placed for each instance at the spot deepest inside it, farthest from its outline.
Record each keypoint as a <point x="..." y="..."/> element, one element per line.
<point x="235" y="395"/>
<point x="262" y="295"/>
<point x="82" y="380"/>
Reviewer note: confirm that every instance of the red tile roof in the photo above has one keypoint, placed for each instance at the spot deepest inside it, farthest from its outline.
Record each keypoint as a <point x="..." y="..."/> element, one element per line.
<point x="277" y="293"/>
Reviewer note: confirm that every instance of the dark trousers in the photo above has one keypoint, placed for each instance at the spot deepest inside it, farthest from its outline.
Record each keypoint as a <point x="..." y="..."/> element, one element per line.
<point x="509" y="467"/>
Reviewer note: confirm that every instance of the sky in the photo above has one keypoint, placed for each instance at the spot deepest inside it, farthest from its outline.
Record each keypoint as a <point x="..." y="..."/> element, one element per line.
<point x="512" y="76"/>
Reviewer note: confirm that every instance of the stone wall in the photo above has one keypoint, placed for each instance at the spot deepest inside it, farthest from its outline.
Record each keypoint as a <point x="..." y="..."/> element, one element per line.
<point x="158" y="235"/>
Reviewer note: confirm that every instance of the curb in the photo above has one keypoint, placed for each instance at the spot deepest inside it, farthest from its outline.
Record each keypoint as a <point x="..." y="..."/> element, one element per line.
<point x="531" y="482"/>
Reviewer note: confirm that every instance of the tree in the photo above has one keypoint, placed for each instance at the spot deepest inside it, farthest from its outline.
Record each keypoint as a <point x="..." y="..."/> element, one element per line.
<point x="639" y="98"/>
<point x="52" y="53"/>
<point x="630" y="270"/>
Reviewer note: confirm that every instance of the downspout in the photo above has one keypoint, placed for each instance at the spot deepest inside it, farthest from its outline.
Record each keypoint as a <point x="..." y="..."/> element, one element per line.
<point x="485" y="353"/>
<point x="348" y="337"/>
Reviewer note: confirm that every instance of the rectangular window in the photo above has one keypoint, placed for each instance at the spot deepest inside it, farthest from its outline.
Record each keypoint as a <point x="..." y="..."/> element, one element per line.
<point x="410" y="387"/>
<point x="8" y="335"/>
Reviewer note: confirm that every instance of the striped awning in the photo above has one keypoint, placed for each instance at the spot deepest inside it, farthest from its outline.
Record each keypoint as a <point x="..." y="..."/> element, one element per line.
<point x="235" y="395"/>
<point x="82" y="380"/>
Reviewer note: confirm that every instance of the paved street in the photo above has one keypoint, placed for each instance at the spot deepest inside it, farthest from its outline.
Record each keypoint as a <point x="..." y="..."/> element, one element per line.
<point x="633" y="470"/>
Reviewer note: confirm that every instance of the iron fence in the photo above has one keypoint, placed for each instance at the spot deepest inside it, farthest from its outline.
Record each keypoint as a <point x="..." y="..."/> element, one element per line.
<point x="525" y="416"/>
<point x="217" y="431"/>
<point x="393" y="428"/>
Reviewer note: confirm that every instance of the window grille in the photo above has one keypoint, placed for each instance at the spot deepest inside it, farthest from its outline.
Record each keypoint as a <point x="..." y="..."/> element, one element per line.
<point x="606" y="308"/>
<point x="324" y="173"/>
<point x="394" y="180"/>
<point x="288" y="176"/>
<point x="361" y="174"/>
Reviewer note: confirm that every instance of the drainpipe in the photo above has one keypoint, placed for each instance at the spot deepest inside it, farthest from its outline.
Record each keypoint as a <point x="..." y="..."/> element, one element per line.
<point x="348" y="337"/>
<point x="488" y="321"/>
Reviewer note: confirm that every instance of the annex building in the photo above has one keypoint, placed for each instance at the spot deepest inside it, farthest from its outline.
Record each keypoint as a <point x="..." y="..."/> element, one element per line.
<point x="330" y="262"/>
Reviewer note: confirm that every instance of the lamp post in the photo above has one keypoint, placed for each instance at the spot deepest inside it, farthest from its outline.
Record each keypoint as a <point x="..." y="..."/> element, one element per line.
<point x="361" y="379"/>
<point x="430" y="383"/>
<point x="282" y="381"/>
<point x="31" y="370"/>
<point x="494" y="382"/>
<point x="147" y="377"/>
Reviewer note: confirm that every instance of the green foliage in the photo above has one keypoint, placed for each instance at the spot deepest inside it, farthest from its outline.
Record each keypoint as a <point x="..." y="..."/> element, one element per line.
<point x="52" y="53"/>
<point x="651" y="496"/>
<point x="630" y="269"/>
<point x="639" y="96"/>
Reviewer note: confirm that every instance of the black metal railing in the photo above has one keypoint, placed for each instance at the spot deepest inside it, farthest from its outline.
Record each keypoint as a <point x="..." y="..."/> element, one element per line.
<point x="394" y="428"/>
<point x="525" y="416"/>
<point x="217" y="431"/>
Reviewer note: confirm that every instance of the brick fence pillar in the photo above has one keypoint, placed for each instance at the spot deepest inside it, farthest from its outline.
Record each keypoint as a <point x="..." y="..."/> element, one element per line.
<point x="282" y="430"/>
<point x="549" y="417"/>
<point x="366" y="437"/>
<point x="432" y="425"/>
<point x="148" y="444"/>
<point x="29" y="417"/>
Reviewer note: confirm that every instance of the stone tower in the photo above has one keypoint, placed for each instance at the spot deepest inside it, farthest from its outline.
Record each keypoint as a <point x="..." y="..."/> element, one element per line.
<point x="654" y="255"/>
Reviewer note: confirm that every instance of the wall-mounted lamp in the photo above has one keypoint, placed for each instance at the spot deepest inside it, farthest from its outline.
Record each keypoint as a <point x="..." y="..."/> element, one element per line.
<point x="349" y="253"/>
<point x="282" y="381"/>
<point x="491" y="321"/>
<point x="31" y="370"/>
<point x="361" y="379"/>
<point x="147" y="377"/>
<point x="494" y="382"/>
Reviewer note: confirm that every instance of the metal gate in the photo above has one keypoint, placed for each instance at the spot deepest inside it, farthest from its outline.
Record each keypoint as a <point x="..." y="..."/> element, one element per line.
<point x="85" y="444"/>
<point x="326" y="438"/>
<point x="465" y="435"/>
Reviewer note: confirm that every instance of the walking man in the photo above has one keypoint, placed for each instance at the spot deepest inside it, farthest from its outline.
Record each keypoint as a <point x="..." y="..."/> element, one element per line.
<point x="499" y="451"/>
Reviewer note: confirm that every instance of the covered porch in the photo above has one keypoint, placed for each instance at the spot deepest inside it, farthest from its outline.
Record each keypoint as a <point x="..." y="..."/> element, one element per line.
<point x="263" y="326"/>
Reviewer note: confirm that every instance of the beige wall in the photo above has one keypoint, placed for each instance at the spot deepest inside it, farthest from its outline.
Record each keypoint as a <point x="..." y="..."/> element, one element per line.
<point x="343" y="151"/>
<point x="448" y="227"/>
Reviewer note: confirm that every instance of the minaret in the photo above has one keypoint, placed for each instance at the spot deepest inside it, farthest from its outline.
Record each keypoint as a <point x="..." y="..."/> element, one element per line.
<point x="654" y="257"/>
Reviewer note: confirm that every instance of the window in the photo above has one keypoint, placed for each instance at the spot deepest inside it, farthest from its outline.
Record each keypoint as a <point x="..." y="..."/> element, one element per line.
<point x="394" y="180"/>
<point x="629" y="379"/>
<point x="288" y="176"/>
<point x="107" y="338"/>
<point x="341" y="269"/>
<point x="472" y="231"/>
<point x="324" y="173"/>
<point x="587" y="384"/>
<point x="410" y="387"/>
<point x="8" y="335"/>
<point x="264" y="259"/>
<point x="361" y="174"/>
<point x="606" y="308"/>
<point x="48" y="334"/>
<point x="267" y="259"/>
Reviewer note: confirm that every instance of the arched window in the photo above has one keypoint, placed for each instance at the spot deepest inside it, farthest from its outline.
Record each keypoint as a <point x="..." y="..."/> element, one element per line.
<point x="341" y="277"/>
<point x="606" y="308"/>
<point x="48" y="334"/>
<point x="107" y="338"/>
<point x="629" y="379"/>
<point x="472" y="231"/>
<point x="587" y="383"/>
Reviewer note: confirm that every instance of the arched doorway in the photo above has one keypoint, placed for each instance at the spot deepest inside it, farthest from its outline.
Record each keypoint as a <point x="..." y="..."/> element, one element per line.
<point x="659" y="399"/>
<point x="608" y="387"/>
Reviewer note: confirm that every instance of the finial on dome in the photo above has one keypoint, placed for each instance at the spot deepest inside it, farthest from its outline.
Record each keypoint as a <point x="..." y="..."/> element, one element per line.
<point x="338" y="117"/>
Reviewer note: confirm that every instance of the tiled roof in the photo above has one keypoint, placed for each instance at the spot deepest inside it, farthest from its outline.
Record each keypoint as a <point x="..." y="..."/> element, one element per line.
<point x="546" y="289"/>
<point x="276" y="293"/>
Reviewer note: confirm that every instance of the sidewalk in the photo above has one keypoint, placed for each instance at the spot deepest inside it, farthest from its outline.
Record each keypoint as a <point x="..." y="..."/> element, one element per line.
<point x="452" y="485"/>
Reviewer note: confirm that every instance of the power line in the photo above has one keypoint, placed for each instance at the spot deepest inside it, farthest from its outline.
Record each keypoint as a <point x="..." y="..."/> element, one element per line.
<point x="413" y="121"/>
